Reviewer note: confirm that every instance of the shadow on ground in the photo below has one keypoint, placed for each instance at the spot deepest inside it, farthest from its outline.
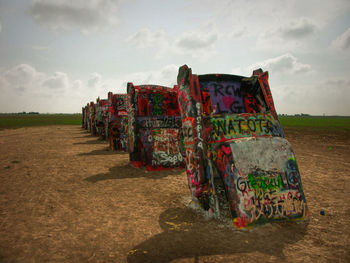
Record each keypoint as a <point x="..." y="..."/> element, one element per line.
<point x="105" y="151"/>
<point x="188" y="235"/>
<point x="83" y="136"/>
<point x="128" y="171"/>
<point x="96" y="141"/>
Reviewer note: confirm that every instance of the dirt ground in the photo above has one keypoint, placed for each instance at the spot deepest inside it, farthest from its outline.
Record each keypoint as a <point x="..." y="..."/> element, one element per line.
<point x="64" y="197"/>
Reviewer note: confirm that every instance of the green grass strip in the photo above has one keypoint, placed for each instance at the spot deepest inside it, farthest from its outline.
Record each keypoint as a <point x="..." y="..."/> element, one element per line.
<point x="10" y="121"/>
<point x="327" y="123"/>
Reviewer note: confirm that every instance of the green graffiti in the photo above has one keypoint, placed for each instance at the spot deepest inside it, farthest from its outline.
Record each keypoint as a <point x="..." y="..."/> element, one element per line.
<point x="157" y="107"/>
<point x="263" y="182"/>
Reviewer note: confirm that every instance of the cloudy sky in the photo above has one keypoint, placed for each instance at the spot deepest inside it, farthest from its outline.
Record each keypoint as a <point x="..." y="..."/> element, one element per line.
<point x="57" y="55"/>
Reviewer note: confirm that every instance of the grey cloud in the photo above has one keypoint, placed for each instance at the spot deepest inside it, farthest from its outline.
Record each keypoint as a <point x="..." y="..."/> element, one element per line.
<point x="196" y="40"/>
<point x="291" y="36"/>
<point x="298" y="29"/>
<point x="41" y="48"/>
<point x="145" y="37"/>
<point x="238" y="33"/>
<point x="0" y="27"/>
<point x="87" y="16"/>
<point x="340" y="84"/>
<point x="342" y="42"/>
<point x="197" y="44"/>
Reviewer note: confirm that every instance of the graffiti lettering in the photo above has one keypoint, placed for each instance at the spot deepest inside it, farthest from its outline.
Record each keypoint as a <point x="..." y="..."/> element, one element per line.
<point x="159" y="122"/>
<point x="265" y="182"/>
<point x="236" y="126"/>
<point x="284" y="208"/>
<point x="199" y="128"/>
<point x="226" y="97"/>
<point x="166" y="160"/>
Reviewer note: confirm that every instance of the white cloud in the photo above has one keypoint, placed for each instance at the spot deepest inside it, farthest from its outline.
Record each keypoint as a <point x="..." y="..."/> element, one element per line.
<point x="165" y="76"/>
<point x="58" y="81"/>
<point x="199" y="44"/>
<point x="94" y="80"/>
<point x="25" y="79"/>
<point x="286" y="63"/>
<point x="145" y="37"/>
<point x="77" y="84"/>
<point x="22" y="77"/>
<point x="24" y="88"/>
<point x="86" y="16"/>
<point x="342" y="42"/>
<point x="99" y="86"/>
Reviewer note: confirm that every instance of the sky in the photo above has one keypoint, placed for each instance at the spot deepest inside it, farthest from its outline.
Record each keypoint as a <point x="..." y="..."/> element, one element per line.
<point x="58" y="55"/>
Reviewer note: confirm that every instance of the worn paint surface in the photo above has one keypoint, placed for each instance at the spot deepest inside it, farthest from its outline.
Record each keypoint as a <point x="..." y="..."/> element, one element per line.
<point x="237" y="160"/>
<point x="154" y="127"/>
<point x="118" y="121"/>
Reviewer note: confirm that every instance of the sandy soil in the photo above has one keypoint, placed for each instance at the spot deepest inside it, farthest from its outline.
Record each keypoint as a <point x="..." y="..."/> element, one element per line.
<point x="64" y="197"/>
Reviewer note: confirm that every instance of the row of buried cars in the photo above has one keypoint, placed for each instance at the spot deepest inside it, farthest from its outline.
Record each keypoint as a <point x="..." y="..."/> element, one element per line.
<point x="222" y="129"/>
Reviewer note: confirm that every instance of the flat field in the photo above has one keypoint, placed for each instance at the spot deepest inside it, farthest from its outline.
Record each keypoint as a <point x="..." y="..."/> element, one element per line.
<point x="11" y="121"/>
<point x="317" y="122"/>
<point x="64" y="197"/>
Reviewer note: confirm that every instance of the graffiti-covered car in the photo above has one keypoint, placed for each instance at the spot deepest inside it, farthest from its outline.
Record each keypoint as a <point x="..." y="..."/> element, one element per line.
<point x="86" y="120"/>
<point x="238" y="162"/>
<point x="91" y="118"/>
<point x="154" y="127"/>
<point x="83" y="119"/>
<point x="118" y="122"/>
<point x="100" y="117"/>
